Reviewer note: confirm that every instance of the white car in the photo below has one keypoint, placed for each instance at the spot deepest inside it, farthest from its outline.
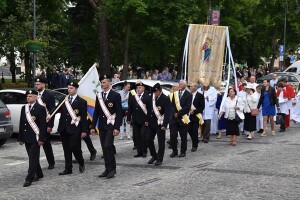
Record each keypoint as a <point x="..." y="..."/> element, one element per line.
<point x="16" y="98"/>
<point x="166" y="85"/>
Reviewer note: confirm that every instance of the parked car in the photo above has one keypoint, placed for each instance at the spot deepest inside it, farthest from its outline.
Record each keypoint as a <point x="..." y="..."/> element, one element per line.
<point x="16" y="98"/>
<point x="62" y="90"/>
<point x="292" y="78"/>
<point x="6" y="127"/>
<point x="166" y="85"/>
<point x="294" y="68"/>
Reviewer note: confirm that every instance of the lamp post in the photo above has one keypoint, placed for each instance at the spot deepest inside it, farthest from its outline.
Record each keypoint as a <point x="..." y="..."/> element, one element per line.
<point x="34" y="37"/>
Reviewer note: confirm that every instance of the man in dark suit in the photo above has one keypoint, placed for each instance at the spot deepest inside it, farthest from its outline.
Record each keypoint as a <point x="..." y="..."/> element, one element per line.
<point x="196" y="111"/>
<point x="138" y="105"/>
<point x="179" y="119"/>
<point x="108" y="110"/>
<point x="73" y="127"/>
<point x="32" y="133"/>
<point x="65" y="78"/>
<point x="46" y="99"/>
<point x="158" y="115"/>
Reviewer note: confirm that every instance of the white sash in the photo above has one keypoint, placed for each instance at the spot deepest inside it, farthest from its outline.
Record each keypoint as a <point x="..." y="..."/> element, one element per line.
<point x="40" y="101"/>
<point x="110" y="118"/>
<point x="31" y="122"/>
<point x="160" y="118"/>
<point x="75" y="119"/>
<point x="139" y="101"/>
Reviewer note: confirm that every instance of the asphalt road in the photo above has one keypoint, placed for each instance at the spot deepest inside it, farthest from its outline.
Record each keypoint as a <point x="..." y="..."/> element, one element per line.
<point x="264" y="168"/>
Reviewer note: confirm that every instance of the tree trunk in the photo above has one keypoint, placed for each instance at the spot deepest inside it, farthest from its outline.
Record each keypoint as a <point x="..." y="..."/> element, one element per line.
<point x="126" y="52"/>
<point x="11" y="58"/>
<point x="275" y="50"/>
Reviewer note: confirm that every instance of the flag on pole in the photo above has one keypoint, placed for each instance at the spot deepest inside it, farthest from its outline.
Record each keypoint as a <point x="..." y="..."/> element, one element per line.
<point x="89" y="86"/>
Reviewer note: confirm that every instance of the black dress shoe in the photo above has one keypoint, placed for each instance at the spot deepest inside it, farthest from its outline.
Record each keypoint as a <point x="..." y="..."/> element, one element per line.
<point x="134" y="148"/>
<point x="260" y="131"/>
<point x="93" y="156"/>
<point x="111" y="174"/>
<point x="104" y="174"/>
<point x="144" y="155"/>
<point x="138" y="155"/>
<point x="282" y="130"/>
<point x="174" y="154"/>
<point x="151" y="161"/>
<point x="182" y="155"/>
<point x="194" y="149"/>
<point x="27" y="184"/>
<point x="205" y="141"/>
<point x="65" y="172"/>
<point x="81" y="168"/>
<point x="51" y="166"/>
<point x="158" y="163"/>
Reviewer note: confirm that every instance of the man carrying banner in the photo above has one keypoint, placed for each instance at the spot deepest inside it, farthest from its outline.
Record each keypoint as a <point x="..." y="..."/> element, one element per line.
<point x="46" y="99"/>
<point x="33" y="134"/>
<point x="158" y="114"/>
<point x="138" y="104"/>
<point x="73" y="127"/>
<point x="195" y="115"/>
<point x="179" y="120"/>
<point x="108" y="110"/>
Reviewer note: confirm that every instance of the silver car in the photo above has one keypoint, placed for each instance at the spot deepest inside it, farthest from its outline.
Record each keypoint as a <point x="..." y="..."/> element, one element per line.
<point x="6" y="127"/>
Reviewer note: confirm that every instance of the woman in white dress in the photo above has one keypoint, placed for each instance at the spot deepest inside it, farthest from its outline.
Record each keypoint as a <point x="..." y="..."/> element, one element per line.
<point x="283" y="104"/>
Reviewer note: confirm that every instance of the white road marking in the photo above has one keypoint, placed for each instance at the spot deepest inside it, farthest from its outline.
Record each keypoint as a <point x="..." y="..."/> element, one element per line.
<point x="15" y="163"/>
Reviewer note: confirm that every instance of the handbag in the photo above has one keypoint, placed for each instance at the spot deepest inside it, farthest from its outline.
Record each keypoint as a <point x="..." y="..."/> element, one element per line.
<point x="253" y="111"/>
<point x="237" y="117"/>
<point x="279" y="119"/>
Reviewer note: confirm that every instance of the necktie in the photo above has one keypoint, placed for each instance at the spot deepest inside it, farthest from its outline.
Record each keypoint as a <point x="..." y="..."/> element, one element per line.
<point x="180" y="94"/>
<point x="30" y="107"/>
<point x="104" y="96"/>
<point x="70" y="100"/>
<point x="139" y="96"/>
<point x="156" y="99"/>
<point x="40" y="94"/>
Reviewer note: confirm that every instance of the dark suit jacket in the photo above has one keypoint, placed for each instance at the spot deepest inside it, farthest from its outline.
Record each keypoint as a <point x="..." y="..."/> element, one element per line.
<point x="199" y="104"/>
<point x="63" y="81"/>
<point x="135" y="113"/>
<point x="114" y="105"/>
<point x="49" y="100"/>
<point x="272" y="94"/>
<point x="80" y="105"/>
<point x="26" y="133"/>
<point x="163" y="102"/>
<point x="185" y="102"/>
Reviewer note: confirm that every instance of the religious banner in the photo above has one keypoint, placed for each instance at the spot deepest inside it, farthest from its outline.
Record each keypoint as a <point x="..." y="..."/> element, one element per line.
<point x="206" y="46"/>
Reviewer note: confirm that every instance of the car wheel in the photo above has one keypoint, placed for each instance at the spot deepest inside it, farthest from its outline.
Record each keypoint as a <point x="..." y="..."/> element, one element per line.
<point x="2" y="142"/>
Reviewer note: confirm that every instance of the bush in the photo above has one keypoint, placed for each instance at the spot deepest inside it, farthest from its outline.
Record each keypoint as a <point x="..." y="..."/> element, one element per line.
<point x="10" y="85"/>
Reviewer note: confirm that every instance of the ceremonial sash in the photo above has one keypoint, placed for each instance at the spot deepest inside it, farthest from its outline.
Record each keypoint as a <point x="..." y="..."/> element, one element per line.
<point x="197" y="115"/>
<point x="75" y="119"/>
<point x="185" y="117"/>
<point x="139" y="101"/>
<point x="160" y="118"/>
<point x="40" y="101"/>
<point x="110" y="118"/>
<point x="171" y="96"/>
<point x="31" y="122"/>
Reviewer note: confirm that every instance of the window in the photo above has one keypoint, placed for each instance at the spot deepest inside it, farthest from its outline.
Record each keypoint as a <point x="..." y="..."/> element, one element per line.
<point x="293" y="79"/>
<point x="13" y="98"/>
<point x="293" y="69"/>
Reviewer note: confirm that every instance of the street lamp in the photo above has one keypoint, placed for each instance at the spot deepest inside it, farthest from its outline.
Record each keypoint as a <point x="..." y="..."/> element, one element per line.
<point x="34" y="37"/>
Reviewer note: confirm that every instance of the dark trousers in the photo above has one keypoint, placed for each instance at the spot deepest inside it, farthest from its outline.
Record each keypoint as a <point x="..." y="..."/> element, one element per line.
<point x="174" y="129"/>
<point x="283" y="124"/>
<point x="48" y="150"/>
<point x="107" y="143"/>
<point x="141" y="131"/>
<point x="161" y="137"/>
<point x="205" y="129"/>
<point x="33" y="151"/>
<point x="89" y="144"/>
<point x="193" y="132"/>
<point x="71" y="144"/>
